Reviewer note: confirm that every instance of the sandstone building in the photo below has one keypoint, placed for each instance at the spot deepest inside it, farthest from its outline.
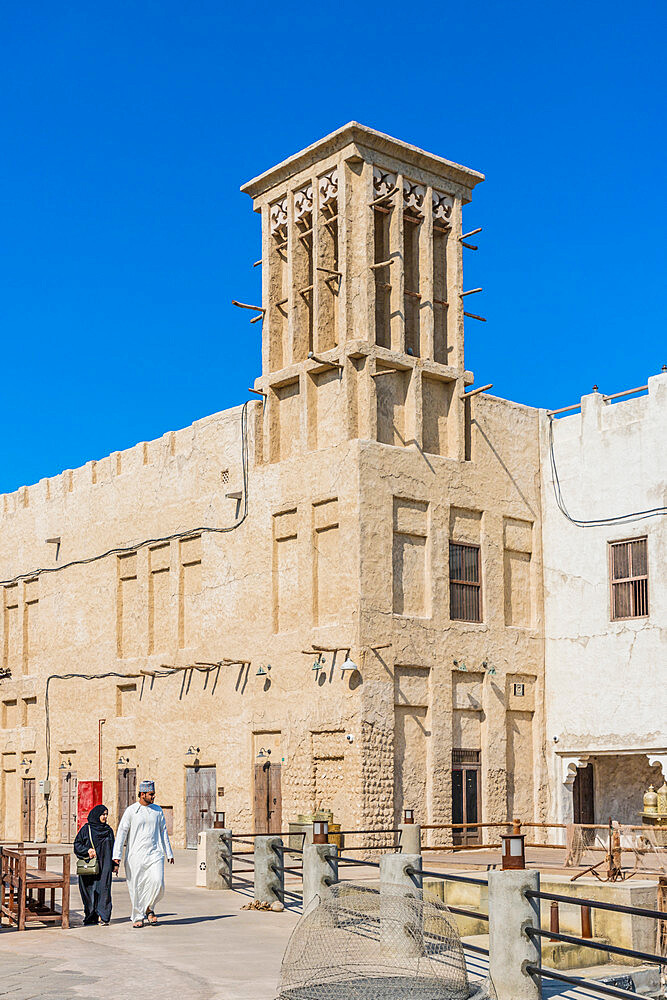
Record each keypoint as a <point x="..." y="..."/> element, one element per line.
<point x="217" y="587"/>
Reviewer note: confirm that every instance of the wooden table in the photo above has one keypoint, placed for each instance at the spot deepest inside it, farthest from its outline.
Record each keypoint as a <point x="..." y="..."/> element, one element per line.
<point x="23" y="888"/>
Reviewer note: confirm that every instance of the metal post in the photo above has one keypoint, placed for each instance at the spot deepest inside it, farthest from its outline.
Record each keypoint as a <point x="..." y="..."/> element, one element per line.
<point x="554" y="920"/>
<point x="586" y="929"/>
<point x="320" y="872"/>
<point x="510" y="948"/>
<point x="269" y="870"/>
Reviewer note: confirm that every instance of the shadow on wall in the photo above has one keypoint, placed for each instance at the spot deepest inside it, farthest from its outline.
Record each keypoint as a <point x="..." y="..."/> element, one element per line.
<point x="620" y="783"/>
<point x="499" y="458"/>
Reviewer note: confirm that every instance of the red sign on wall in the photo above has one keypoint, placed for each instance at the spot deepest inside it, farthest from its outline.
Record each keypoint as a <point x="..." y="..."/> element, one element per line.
<point x="90" y="795"/>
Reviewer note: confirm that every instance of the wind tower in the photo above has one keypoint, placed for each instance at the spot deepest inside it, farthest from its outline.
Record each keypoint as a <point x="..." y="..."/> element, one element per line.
<point x="362" y="291"/>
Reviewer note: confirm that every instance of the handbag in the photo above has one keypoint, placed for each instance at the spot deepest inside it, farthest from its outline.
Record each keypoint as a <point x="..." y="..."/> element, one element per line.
<point x="88" y="866"/>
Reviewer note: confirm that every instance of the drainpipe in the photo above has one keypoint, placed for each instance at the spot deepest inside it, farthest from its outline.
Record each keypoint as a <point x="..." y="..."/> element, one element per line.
<point x="100" y="723"/>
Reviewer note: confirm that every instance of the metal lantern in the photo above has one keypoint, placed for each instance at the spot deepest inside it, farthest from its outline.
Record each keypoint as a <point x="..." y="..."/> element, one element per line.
<point x="514" y="849"/>
<point x="219" y="821"/>
<point x="408" y="815"/>
<point x="320" y="831"/>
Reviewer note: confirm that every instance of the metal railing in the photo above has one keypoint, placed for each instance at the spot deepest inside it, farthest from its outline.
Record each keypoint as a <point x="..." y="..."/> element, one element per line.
<point x="461" y="911"/>
<point x="592" y="985"/>
<point x="597" y="904"/>
<point x="533" y="931"/>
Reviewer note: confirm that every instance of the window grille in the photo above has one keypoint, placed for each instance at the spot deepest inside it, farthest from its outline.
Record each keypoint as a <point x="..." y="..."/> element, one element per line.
<point x="465" y="756"/>
<point x="628" y="570"/>
<point x="465" y="602"/>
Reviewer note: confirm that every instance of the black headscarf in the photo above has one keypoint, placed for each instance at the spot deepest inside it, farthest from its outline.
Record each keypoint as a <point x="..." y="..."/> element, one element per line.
<point x="99" y="831"/>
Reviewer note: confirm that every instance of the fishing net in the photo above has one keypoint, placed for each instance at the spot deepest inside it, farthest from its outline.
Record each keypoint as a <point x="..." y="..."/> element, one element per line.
<point x="362" y="944"/>
<point x="627" y="851"/>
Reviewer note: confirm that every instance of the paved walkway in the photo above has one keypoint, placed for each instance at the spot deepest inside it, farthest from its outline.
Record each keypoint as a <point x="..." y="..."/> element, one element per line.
<point x="205" y="948"/>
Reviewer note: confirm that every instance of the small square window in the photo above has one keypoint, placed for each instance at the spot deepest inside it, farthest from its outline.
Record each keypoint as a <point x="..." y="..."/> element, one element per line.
<point x="628" y="572"/>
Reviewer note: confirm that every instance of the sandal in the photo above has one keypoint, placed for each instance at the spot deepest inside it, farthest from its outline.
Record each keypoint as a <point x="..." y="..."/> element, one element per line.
<point x="138" y="923"/>
<point x="150" y="916"/>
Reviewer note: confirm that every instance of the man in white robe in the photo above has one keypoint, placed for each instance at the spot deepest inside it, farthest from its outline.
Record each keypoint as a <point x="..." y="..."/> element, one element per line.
<point x="144" y="828"/>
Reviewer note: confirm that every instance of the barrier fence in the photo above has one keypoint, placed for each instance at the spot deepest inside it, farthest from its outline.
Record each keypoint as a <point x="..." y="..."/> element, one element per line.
<point x="515" y="901"/>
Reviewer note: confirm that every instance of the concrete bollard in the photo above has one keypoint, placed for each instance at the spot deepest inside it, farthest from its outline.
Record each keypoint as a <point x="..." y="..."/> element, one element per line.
<point x="401" y="932"/>
<point x="269" y="870"/>
<point x="200" y="876"/>
<point x="410" y="838"/>
<point x="396" y="879"/>
<point x="510" y="948"/>
<point x="225" y="858"/>
<point x="212" y="849"/>
<point x="320" y="871"/>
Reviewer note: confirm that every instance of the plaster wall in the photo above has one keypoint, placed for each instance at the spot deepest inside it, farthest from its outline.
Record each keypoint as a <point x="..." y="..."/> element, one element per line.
<point x="242" y="559"/>
<point x="605" y="691"/>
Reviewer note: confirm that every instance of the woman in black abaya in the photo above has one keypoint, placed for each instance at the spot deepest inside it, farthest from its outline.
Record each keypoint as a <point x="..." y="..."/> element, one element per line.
<point x="95" y="839"/>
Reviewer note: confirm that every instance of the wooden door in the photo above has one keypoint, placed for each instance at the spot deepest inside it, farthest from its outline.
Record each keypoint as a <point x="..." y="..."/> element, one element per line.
<point x="28" y="810"/>
<point x="583" y="795"/>
<point x="466" y="795"/>
<point x="126" y="788"/>
<point x="68" y="807"/>
<point x="268" y="803"/>
<point x="200" y="791"/>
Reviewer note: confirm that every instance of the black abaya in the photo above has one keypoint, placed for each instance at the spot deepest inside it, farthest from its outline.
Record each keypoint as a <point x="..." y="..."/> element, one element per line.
<point x="96" y="889"/>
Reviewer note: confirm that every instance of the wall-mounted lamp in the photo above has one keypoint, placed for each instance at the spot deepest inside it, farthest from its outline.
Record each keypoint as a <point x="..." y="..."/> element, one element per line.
<point x="65" y="765"/>
<point x="192" y="752"/>
<point x="27" y="764"/>
<point x="349" y="665"/>
<point x="235" y="495"/>
<point x="460" y="665"/>
<point x="55" y="541"/>
<point x="263" y="670"/>
<point x="489" y="669"/>
<point x="122" y="761"/>
<point x="262" y="754"/>
<point x="408" y="815"/>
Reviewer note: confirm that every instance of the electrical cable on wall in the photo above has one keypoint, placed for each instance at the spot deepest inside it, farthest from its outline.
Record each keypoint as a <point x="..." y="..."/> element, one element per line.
<point x="122" y="550"/>
<point x="598" y="522"/>
<point x="164" y="672"/>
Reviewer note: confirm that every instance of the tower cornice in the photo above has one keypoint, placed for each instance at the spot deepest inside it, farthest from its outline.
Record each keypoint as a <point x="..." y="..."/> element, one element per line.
<point x="354" y="134"/>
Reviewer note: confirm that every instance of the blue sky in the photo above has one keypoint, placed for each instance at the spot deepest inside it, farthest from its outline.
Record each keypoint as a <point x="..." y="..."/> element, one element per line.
<point x="128" y="129"/>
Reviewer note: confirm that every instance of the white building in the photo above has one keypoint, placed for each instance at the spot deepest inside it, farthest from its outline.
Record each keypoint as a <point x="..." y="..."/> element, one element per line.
<point x="603" y="469"/>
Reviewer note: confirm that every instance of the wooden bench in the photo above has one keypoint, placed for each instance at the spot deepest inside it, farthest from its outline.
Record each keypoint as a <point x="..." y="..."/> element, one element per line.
<point x="23" y="887"/>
